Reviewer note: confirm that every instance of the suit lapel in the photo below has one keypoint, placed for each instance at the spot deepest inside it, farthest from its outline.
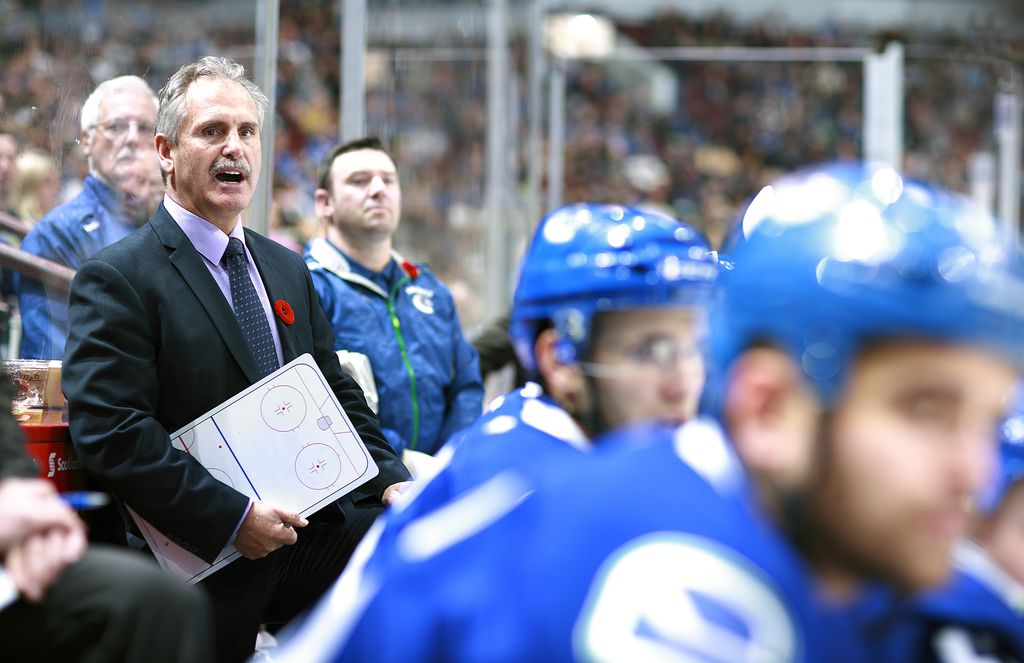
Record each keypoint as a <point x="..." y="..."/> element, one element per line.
<point x="193" y="270"/>
<point x="274" y="283"/>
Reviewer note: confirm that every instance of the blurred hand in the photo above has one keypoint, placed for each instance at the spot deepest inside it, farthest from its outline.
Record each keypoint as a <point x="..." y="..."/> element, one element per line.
<point x="265" y="529"/>
<point x="29" y="506"/>
<point x="393" y="492"/>
<point x="36" y="561"/>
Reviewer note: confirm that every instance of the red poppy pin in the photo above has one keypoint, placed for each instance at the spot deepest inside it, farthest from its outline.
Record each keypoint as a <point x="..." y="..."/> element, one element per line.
<point x="412" y="270"/>
<point x="284" y="311"/>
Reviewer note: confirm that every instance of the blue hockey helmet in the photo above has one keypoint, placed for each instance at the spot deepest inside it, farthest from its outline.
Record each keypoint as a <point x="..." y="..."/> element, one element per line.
<point x="832" y="256"/>
<point x="584" y="259"/>
<point x="1010" y="464"/>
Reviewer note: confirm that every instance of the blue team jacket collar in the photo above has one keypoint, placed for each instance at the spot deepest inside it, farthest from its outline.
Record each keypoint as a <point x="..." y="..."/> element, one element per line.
<point x="541" y="412"/>
<point x="702" y="444"/>
<point x="104" y="194"/>
<point x="326" y="256"/>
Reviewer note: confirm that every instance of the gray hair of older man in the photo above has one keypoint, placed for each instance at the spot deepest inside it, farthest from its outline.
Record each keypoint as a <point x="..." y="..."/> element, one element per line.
<point x="173" y="109"/>
<point x="91" y="108"/>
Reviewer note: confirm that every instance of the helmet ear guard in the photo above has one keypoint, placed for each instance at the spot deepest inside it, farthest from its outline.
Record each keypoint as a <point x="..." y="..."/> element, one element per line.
<point x="573" y="327"/>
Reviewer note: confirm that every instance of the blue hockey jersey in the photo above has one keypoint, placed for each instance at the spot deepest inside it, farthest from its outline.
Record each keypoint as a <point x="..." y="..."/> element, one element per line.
<point x="628" y="555"/>
<point x="524" y="431"/>
<point x="977" y="616"/>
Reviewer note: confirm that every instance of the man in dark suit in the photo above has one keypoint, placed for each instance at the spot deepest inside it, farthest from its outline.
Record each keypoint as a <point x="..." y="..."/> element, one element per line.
<point x="175" y="319"/>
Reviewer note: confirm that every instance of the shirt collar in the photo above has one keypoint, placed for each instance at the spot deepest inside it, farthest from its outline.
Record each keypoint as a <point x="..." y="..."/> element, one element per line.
<point x="206" y="237"/>
<point x="385" y="278"/>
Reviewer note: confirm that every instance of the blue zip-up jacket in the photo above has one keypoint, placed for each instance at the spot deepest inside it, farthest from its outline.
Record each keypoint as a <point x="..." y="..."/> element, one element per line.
<point x="69" y="234"/>
<point x="427" y="374"/>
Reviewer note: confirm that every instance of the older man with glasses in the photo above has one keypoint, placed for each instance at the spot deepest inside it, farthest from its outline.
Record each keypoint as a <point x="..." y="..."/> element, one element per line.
<point x="117" y="139"/>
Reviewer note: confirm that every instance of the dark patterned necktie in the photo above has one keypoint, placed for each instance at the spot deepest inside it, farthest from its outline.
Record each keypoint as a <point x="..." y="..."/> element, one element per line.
<point x="248" y="310"/>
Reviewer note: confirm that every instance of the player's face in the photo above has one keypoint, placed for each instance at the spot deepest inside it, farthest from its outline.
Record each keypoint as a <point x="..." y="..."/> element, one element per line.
<point x="213" y="169"/>
<point x="1003" y="533"/>
<point x="648" y="365"/>
<point x="911" y="439"/>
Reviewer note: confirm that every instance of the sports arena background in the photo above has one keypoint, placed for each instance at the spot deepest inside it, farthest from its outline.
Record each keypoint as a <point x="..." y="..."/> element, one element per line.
<point x="695" y="135"/>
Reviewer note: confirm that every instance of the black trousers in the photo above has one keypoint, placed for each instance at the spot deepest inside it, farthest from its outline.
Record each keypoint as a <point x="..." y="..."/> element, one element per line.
<point x="282" y="585"/>
<point x="112" y="605"/>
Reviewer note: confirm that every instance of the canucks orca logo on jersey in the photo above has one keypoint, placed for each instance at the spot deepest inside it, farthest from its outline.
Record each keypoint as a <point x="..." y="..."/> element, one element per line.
<point x="422" y="298"/>
<point x="676" y="597"/>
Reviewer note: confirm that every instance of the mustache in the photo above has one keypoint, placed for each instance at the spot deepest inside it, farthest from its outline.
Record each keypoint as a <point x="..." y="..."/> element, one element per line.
<point x="222" y="164"/>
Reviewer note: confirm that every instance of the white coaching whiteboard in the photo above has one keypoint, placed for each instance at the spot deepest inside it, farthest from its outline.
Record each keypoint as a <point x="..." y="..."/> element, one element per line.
<point x="285" y="440"/>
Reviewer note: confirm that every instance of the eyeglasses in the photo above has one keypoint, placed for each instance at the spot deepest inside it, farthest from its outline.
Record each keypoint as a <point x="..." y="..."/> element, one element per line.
<point x="119" y="128"/>
<point x="657" y="353"/>
<point x="662" y="352"/>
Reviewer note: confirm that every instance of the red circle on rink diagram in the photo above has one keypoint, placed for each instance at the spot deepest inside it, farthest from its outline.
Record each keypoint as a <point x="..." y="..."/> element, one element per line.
<point x="188" y="438"/>
<point x="283" y="408"/>
<point x="318" y="466"/>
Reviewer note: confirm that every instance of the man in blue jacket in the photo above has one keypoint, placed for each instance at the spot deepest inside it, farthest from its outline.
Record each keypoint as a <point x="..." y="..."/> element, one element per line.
<point x="117" y="139"/>
<point x="395" y="313"/>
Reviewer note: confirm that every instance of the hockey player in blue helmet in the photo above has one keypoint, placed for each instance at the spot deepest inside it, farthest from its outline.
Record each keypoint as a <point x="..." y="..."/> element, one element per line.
<point x="609" y="314"/>
<point x="979" y="614"/>
<point x="860" y="348"/>
<point x="609" y="321"/>
<point x="882" y="345"/>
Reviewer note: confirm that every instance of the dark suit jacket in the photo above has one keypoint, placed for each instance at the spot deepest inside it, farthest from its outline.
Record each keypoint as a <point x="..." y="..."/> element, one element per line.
<point x="153" y="344"/>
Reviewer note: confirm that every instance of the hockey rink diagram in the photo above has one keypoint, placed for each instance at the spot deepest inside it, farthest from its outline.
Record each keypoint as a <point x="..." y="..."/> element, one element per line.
<point x="285" y="440"/>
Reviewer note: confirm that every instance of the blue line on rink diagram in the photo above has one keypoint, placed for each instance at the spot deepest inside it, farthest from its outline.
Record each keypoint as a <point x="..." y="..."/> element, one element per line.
<point x="237" y="462"/>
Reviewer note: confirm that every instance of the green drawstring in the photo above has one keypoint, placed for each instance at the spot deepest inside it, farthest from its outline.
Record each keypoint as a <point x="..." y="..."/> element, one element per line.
<point x="408" y="365"/>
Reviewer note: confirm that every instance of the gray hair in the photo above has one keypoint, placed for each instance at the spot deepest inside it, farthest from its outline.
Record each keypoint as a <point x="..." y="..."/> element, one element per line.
<point x="91" y="107"/>
<point x="172" y="97"/>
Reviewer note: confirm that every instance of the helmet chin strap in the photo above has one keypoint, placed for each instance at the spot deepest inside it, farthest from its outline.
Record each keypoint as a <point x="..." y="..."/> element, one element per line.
<point x="795" y="513"/>
<point x="591" y="420"/>
<point x="809" y="529"/>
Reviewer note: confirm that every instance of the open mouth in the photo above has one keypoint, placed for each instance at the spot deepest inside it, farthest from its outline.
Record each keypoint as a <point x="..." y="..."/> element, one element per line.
<point x="231" y="171"/>
<point x="232" y="176"/>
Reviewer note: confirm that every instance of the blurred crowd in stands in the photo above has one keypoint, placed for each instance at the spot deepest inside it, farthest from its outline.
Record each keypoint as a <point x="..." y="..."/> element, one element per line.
<point x="733" y="126"/>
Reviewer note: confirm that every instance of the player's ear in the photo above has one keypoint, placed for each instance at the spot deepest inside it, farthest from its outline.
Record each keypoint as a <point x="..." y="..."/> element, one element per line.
<point x="564" y="382"/>
<point x="769" y="412"/>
